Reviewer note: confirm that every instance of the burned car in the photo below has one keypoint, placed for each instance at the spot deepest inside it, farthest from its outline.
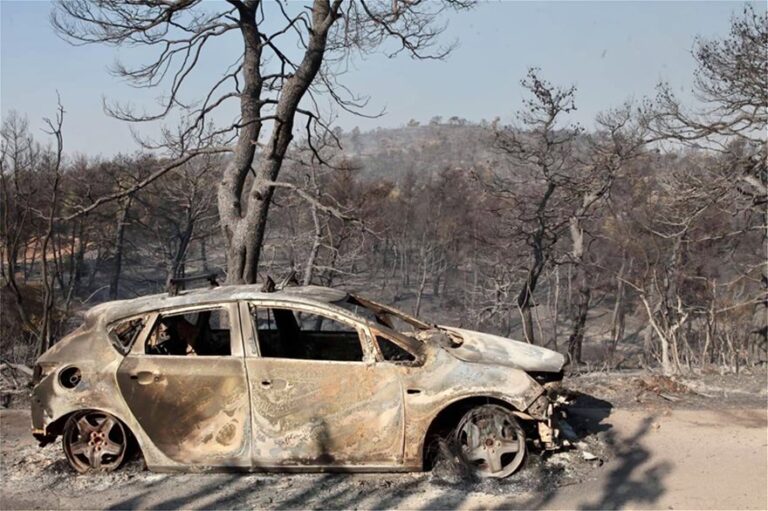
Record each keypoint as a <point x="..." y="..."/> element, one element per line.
<point x="304" y="378"/>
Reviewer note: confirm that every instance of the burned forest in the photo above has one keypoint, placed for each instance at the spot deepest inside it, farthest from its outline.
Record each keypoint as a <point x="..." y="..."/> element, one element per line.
<point x="638" y="243"/>
<point x="263" y="198"/>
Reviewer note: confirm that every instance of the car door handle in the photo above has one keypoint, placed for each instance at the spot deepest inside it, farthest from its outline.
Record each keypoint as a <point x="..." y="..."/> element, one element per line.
<point x="146" y="377"/>
<point x="266" y="383"/>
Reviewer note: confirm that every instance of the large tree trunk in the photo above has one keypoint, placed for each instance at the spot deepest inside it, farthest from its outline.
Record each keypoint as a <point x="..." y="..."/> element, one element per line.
<point x="239" y="232"/>
<point x="244" y="226"/>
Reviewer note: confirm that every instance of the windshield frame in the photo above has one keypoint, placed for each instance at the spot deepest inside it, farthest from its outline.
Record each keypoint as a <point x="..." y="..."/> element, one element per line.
<point x="409" y="344"/>
<point x="381" y="312"/>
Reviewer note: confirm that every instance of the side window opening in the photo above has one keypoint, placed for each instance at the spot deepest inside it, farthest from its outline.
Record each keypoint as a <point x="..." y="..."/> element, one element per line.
<point x="124" y="334"/>
<point x="393" y="352"/>
<point x="196" y="333"/>
<point x="285" y="333"/>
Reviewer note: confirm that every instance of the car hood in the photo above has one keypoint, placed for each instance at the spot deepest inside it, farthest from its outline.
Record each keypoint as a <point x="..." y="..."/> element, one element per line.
<point x="492" y="349"/>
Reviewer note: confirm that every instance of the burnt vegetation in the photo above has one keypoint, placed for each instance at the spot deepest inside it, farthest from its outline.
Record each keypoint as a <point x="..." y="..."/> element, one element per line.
<point x="641" y="242"/>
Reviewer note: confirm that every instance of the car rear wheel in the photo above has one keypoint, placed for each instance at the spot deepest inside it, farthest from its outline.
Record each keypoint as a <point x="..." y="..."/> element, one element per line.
<point x="491" y="441"/>
<point x="94" y="441"/>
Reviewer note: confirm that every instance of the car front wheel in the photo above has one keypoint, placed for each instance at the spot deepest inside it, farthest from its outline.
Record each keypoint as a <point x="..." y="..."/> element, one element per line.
<point x="94" y="441"/>
<point x="491" y="441"/>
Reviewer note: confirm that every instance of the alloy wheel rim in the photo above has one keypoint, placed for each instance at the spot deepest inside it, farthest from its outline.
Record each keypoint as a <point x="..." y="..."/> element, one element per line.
<point x="96" y="441"/>
<point x="491" y="441"/>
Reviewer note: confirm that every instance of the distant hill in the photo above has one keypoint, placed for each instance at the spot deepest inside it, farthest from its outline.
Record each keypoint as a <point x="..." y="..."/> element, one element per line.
<point x="422" y="149"/>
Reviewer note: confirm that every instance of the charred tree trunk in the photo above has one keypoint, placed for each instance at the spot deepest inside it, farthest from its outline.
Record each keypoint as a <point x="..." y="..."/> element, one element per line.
<point x="576" y="338"/>
<point x="425" y="256"/>
<point x="244" y="225"/>
<point x="619" y="311"/>
<point x="527" y="320"/>
<point x="177" y="266"/>
<point x="45" y="337"/>
<point x="317" y="237"/>
<point x="117" y="260"/>
<point x="204" y="254"/>
<point x="12" y="247"/>
<point x="556" y="308"/>
<point x="79" y="260"/>
<point x="541" y="246"/>
<point x="525" y="301"/>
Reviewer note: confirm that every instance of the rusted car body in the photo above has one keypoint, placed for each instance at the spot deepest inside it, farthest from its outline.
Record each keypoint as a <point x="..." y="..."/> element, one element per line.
<point x="304" y="378"/>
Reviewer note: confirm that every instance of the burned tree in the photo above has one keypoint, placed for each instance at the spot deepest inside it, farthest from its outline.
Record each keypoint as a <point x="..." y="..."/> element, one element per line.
<point x="20" y="156"/>
<point x="178" y="212"/>
<point x="553" y="180"/>
<point x="728" y="124"/>
<point x="619" y="140"/>
<point x="31" y="182"/>
<point x="540" y="154"/>
<point x="271" y="85"/>
<point x="731" y="86"/>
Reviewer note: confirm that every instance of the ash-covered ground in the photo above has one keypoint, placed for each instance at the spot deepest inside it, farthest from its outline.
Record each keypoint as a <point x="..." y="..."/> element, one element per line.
<point x="34" y="477"/>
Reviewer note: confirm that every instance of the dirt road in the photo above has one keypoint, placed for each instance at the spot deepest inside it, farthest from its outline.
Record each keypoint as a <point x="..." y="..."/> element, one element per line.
<point x="667" y="459"/>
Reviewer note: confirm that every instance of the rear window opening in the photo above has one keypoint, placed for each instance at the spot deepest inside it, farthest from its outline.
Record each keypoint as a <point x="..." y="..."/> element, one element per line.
<point x="194" y="333"/>
<point x="124" y="334"/>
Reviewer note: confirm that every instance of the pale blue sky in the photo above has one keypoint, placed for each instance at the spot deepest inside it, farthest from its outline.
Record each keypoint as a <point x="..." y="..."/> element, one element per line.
<point x="611" y="50"/>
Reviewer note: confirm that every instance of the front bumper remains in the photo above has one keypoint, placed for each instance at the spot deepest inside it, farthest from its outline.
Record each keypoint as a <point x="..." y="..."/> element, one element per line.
<point x="548" y="412"/>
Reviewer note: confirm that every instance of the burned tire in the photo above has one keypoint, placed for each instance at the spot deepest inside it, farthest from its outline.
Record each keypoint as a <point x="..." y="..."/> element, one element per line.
<point x="491" y="441"/>
<point x="94" y="441"/>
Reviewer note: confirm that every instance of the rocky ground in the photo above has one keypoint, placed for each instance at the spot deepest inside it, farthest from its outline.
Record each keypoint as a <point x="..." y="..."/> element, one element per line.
<point x="644" y="442"/>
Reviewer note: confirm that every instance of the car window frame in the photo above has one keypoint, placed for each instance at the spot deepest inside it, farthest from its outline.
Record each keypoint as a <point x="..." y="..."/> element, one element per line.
<point x="235" y="331"/>
<point x="395" y="337"/>
<point x="115" y="342"/>
<point x="250" y="333"/>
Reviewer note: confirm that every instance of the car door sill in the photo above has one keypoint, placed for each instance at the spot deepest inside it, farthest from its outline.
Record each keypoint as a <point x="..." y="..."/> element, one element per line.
<point x="290" y="468"/>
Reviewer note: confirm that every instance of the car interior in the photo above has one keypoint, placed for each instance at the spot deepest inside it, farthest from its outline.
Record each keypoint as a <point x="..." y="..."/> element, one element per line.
<point x="392" y="352"/>
<point x="284" y="333"/>
<point x="201" y="333"/>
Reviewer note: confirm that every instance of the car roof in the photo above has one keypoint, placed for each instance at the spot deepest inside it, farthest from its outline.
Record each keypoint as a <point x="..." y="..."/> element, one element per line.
<point x="119" y="309"/>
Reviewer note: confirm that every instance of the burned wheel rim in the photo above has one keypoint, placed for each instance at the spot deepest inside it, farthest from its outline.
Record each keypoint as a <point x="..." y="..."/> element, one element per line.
<point x="491" y="441"/>
<point x="94" y="441"/>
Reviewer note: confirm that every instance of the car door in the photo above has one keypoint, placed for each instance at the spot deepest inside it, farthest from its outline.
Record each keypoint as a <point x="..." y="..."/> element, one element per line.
<point x="318" y="400"/>
<point x="186" y="385"/>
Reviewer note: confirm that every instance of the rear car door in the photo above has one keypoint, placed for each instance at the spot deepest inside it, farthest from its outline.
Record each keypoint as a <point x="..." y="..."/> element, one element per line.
<point x="185" y="383"/>
<point x="318" y="397"/>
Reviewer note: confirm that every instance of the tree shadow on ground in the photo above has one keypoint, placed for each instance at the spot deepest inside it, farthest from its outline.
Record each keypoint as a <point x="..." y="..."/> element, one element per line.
<point x="587" y="415"/>
<point x="227" y="489"/>
<point x="631" y="481"/>
<point x="280" y="491"/>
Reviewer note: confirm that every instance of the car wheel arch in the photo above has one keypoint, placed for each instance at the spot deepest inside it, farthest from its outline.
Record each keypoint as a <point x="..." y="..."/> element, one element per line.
<point x="448" y="417"/>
